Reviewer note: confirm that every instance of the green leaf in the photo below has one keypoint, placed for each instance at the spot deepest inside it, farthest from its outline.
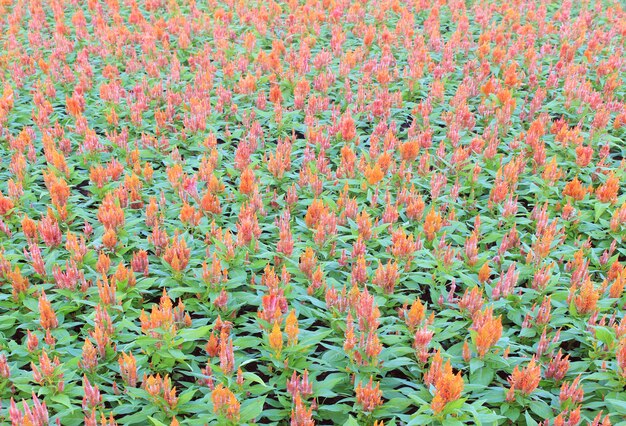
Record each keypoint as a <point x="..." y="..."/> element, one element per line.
<point x="599" y="209"/>
<point x="482" y="376"/>
<point x="251" y="408"/>
<point x="616" y="405"/>
<point x="62" y="399"/>
<point x="529" y="420"/>
<point x="541" y="409"/>
<point x="451" y="421"/>
<point x="605" y="335"/>
<point x="475" y="364"/>
<point x="351" y="422"/>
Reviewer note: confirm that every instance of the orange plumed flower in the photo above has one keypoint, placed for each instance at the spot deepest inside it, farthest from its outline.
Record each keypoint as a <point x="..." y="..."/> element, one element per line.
<point x="575" y="189"/>
<point x="128" y="369"/>
<point x="347" y="127"/>
<point x="448" y="388"/>
<point x="104" y="263"/>
<point x="432" y="224"/>
<point x="467" y="353"/>
<point x="587" y="299"/>
<point x="415" y="315"/>
<point x="18" y="281"/>
<point x="48" y="318"/>
<point x="373" y="174"/>
<point x="225" y="403"/>
<point x="488" y="331"/>
<point x="6" y="205"/>
<point x="617" y="288"/>
<point x="484" y="272"/>
<point x="110" y="214"/>
<point x="109" y="239"/>
<point x="177" y="254"/>
<point x="315" y="212"/>
<point x="524" y="380"/>
<point x="291" y="328"/>
<point x="369" y="397"/>
<point x="161" y="387"/>
<point x="246" y="183"/>
<point x="551" y="172"/>
<point x="189" y="215"/>
<point x="276" y="339"/>
<point x="300" y="414"/>
<point x="607" y="193"/>
<point x="409" y="150"/>
<point x="620" y="355"/>
<point x="210" y="203"/>
<point x="308" y="261"/>
<point x="29" y="227"/>
<point x="89" y="358"/>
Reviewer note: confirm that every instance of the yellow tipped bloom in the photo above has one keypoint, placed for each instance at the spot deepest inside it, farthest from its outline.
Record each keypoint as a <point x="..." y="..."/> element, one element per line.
<point x="276" y="339"/>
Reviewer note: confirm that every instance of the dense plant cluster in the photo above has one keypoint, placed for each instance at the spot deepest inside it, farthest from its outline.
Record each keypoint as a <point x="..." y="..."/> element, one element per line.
<point x="312" y="212"/>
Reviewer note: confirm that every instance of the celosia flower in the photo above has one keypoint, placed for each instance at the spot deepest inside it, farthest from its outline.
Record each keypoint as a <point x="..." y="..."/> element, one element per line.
<point x="89" y="359"/>
<point x="225" y="403"/>
<point x="415" y="314"/>
<point x="47" y="317"/>
<point x="276" y="339"/>
<point x="160" y="389"/>
<point x="300" y="414"/>
<point x="524" y="380"/>
<point x="488" y="331"/>
<point x="448" y="388"/>
<point x="369" y="397"/>
<point x="128" y="369"/>
<point x="177" y="254"/>
<point x="587" y="299"/>
<point x="607" y="193"/>
<point x="291" y="328"/>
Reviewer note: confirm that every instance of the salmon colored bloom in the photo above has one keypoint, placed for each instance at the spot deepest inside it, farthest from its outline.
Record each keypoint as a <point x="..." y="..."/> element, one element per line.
<point x="177" y="254"/>
<point x="369" y="397"/>
<point x="587" y="298"/>
<point x="47" y="317"/>
<point x="225" y="403"/>
<point x="373" y="174"/>
<point x="164" y="317"/>
<point x="575" y="189"/>
<point x="432" y="224"/>
<point x="89" y="359"/>
<point x="300" y="414"/>
<point x="6" y="205"/>
<point x="488" y="331"/>
<point x="621" y="358"/>
<point x="49" y="230"/>
<point x="276" y="339"/>
<point x="524" y="380"/>
<point x="160" y="388"/>
<point x="128" y="369"/>
<point x="607" y="192"/>
<point x="247" y="183"/>
<point x="484" y="273"/>
<point x="409" y="150"/>
<point x="109" y="239"/>
<point x="387" y="276"/>
<point x="415" y="314"/>
<point x="448" y="388"/>
<point x="291" y="328"/>
<point x="617" y="288"/>
<point x="19" y="282"/>
<point x="110" y="214"/>
<point x="29" y="227"/>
